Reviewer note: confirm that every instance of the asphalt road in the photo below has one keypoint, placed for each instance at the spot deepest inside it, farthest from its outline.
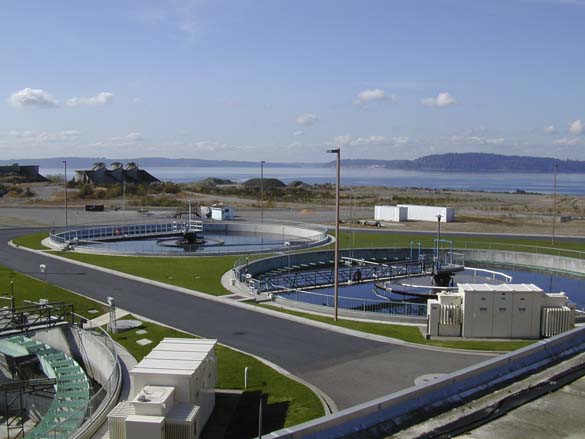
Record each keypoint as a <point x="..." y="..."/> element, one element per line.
<point x="349" y="369"/>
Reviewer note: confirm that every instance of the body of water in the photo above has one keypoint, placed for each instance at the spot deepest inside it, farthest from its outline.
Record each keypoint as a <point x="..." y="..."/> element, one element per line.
<point x="569" y="184"/>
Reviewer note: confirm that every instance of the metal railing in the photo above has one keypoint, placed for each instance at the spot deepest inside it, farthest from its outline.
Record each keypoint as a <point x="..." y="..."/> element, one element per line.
<point x="352" y="303"/>
<point x="119" y="232"/>
<point x="93" y="412"/>
<point x="89" y="238"/>
<point x="25" y="317"/>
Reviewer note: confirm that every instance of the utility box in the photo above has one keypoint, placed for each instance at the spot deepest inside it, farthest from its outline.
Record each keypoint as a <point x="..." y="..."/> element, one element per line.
<point x="145" y="427"/>
<point x="504" y="311"/>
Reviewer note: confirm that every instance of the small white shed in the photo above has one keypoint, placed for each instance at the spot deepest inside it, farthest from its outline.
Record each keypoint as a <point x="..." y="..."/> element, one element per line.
<point x="220" y="213"/>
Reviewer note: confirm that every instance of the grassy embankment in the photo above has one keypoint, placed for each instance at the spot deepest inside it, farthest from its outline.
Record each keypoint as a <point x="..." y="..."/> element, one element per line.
<point x="301" y="403"/>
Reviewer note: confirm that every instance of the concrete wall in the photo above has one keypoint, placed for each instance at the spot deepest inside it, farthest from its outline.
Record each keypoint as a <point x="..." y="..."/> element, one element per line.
<point x="528" y="260"/>
<point x="314" y="233"/>
<point x="389" y="414"/>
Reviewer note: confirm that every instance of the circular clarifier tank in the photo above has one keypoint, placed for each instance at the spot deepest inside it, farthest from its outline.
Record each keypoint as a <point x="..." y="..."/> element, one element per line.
<point x="175" y="239"/>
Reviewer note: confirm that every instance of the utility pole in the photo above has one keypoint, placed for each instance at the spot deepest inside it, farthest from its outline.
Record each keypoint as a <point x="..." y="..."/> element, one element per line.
<point x="65" y="184"/>
<point x="262" y="191"/>
<point x="555" y="169"/>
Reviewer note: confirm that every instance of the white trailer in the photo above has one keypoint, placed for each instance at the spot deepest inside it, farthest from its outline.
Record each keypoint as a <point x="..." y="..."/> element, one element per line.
<point x="428" y="213"/>
<point x="390" y="213"/>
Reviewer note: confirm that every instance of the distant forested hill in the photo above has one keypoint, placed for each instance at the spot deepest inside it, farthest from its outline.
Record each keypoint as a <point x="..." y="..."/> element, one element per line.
<point x="463" y="162"/>
<point x="494" y="162"/>
<point x="474" y="162"/>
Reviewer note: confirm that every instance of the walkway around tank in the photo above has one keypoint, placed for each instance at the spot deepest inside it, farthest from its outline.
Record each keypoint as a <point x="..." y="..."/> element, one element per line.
<point x="349" y="369"/>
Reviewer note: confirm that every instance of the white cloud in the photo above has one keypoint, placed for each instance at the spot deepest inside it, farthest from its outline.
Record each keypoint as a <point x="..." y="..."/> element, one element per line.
<point x="33" y="97"/>
<point x="349" y="141"/>
<point x="342" y="140"/>
<point x="551" y="129"/>
<point x="298" y="133"/>
<point x="372" y="140"/>
<point x="476" y="140"/>
<point x="27" y="137"/>
<point x="577" y="127"/>
<point x="568" y="141"/>
<point x="99" y="100"/>
<point x="135" y="136"/>
<point x="306" y="119"/>
<point x="443" y="99"/>
<point x="373" y="95"/>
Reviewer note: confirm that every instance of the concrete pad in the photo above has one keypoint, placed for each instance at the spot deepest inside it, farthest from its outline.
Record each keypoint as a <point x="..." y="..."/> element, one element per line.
<point x="143" y="341"/>
<point x="142" y="332"/>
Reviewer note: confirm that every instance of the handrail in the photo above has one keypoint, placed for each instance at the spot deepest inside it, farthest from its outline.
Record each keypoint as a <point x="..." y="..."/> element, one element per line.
<point x="94" y="411"/>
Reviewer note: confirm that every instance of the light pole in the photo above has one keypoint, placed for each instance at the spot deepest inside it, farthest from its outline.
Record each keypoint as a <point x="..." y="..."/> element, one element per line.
<point x="287" y="245"/>
<point x="12" y="300"/>
<point x="439" y="216"/>
<point x="43" y="270"/>
<point x="262" y="191"/>
<point x="555" y="169"/>
<point x="66" y="219"/>
<point x="336" y="266"/>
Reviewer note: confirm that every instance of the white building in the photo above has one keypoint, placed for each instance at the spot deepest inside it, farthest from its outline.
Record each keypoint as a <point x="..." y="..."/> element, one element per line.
<point x="428" y="213"/>
<point x="220" y="213"/>
<point x="413" y="212"/>
<point x="172" y="392"/>
<point x="390" y="213"/>
<point x="499" y="311"/>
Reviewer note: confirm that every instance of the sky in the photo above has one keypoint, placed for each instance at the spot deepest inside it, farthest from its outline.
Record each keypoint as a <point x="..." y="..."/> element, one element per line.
<point x="280" y="80"/>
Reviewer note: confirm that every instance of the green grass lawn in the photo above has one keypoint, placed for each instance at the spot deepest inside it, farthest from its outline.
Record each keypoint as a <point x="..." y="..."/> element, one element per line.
<point x="408" y="333"/>
<point x="196" y="273"/>
<point x="32" y="241"/>
<point x="29" y="288"/>
<point x="302" y="404"/>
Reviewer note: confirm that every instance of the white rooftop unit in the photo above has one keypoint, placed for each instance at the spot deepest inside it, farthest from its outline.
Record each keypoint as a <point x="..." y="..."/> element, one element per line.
<point x="428" y="213"/>
<point x="390" y="213"/>
<point x="175" y="381"/>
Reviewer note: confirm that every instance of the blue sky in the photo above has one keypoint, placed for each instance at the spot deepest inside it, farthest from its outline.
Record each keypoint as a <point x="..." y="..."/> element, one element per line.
<point x="283" y="81"/>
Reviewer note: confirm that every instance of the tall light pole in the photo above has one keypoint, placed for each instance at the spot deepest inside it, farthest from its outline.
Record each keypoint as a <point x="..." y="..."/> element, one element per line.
<point x="65" y="184"/>
<point x="262" y="191"/>
<point x="336" y="267"/>
<point x="555" y="169"/>
<point x="439" y="216"/>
